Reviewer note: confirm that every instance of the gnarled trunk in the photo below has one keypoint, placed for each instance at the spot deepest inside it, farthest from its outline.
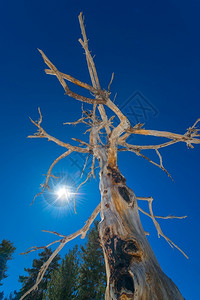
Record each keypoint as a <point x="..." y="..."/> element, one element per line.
<point x="133" y="271"/>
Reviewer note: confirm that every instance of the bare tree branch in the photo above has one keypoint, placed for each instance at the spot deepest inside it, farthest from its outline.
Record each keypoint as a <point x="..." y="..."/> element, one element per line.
<point x="80" y="185"/>
<point x="145" y="147"/>
<point x="137" y="152"/>
<point x="81" y="142"/>
<point x="35" y="248"/>
<point x="190" y="137"/>
<point x="92" y="70"/>
<point x="81" y="120"/>
<point x="158" y="228"/>
<point x="63" y="242"/>
<point x="65" y="86"/>
<point x="85" y="164"/>
<point x="54" y="232"/>
<point x="73" y="80"/>
<point x="90" y="62"/>
<point x="41" y="133"/>
<point x="45" y="185"/>
<point x="111" y="80"/>
<point x="95" y="82"/>
<point x="157" y="217"/>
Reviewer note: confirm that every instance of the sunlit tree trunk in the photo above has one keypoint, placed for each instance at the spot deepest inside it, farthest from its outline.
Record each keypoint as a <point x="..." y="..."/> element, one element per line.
<point x="133" y="271"/>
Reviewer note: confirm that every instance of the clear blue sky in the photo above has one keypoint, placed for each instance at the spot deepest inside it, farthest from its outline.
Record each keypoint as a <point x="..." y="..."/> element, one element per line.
<point x="153" y="47"/>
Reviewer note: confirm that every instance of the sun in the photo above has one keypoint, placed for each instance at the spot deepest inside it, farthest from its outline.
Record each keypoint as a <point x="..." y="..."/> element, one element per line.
<point x="63" y="193"/>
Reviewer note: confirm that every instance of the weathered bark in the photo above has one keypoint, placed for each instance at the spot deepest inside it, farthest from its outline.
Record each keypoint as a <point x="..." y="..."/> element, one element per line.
<point x="133" y="271"/>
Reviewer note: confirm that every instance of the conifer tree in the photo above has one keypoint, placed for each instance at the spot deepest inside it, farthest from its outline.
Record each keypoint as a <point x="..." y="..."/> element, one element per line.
<point x="28" y="281"/>
<point x="92" y="278"/>
<point x="81" y="275"/>
<point x="63" y="283"/>
<point x="12" y="296"/>
<point x="6" y="251"/>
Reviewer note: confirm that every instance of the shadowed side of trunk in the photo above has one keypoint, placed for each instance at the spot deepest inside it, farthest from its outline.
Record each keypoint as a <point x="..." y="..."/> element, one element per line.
<point x="133" y="271"/>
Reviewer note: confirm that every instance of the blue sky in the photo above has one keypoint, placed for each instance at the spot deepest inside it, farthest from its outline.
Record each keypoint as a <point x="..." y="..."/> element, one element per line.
<point x="153" y="48"/>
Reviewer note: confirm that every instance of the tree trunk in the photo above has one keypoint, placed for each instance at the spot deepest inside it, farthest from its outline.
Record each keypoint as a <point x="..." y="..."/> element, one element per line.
<point x="132" y="269"/>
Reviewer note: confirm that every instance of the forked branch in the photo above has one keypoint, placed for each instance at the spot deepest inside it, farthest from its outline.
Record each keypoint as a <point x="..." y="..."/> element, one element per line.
<point x="191" y="136"/>
<point x="55" y="71"/>
<point x="41" y="133"/>
<point x="158" y="228"/>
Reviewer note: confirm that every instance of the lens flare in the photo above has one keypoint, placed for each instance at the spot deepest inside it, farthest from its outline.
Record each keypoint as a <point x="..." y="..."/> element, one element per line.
<point x="63" y="193"/>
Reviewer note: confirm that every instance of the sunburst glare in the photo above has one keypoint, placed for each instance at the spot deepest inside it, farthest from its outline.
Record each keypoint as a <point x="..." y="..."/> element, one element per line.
<point x="61" y="195"/>
<point x="64" y="193"/>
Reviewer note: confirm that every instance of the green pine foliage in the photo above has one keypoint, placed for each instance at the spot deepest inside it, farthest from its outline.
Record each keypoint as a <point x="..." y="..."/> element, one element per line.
<point x="6" y="251"/>
<point x="81" y="274"/>
<point x="12" y="296"/>
<point x="63" y="284"/>
<point x="29" y="281"/>
<point x="92" y="275"/>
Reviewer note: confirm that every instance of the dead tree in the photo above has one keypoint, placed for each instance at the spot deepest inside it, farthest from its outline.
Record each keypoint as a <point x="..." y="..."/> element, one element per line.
<point x="131" y="266"/>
